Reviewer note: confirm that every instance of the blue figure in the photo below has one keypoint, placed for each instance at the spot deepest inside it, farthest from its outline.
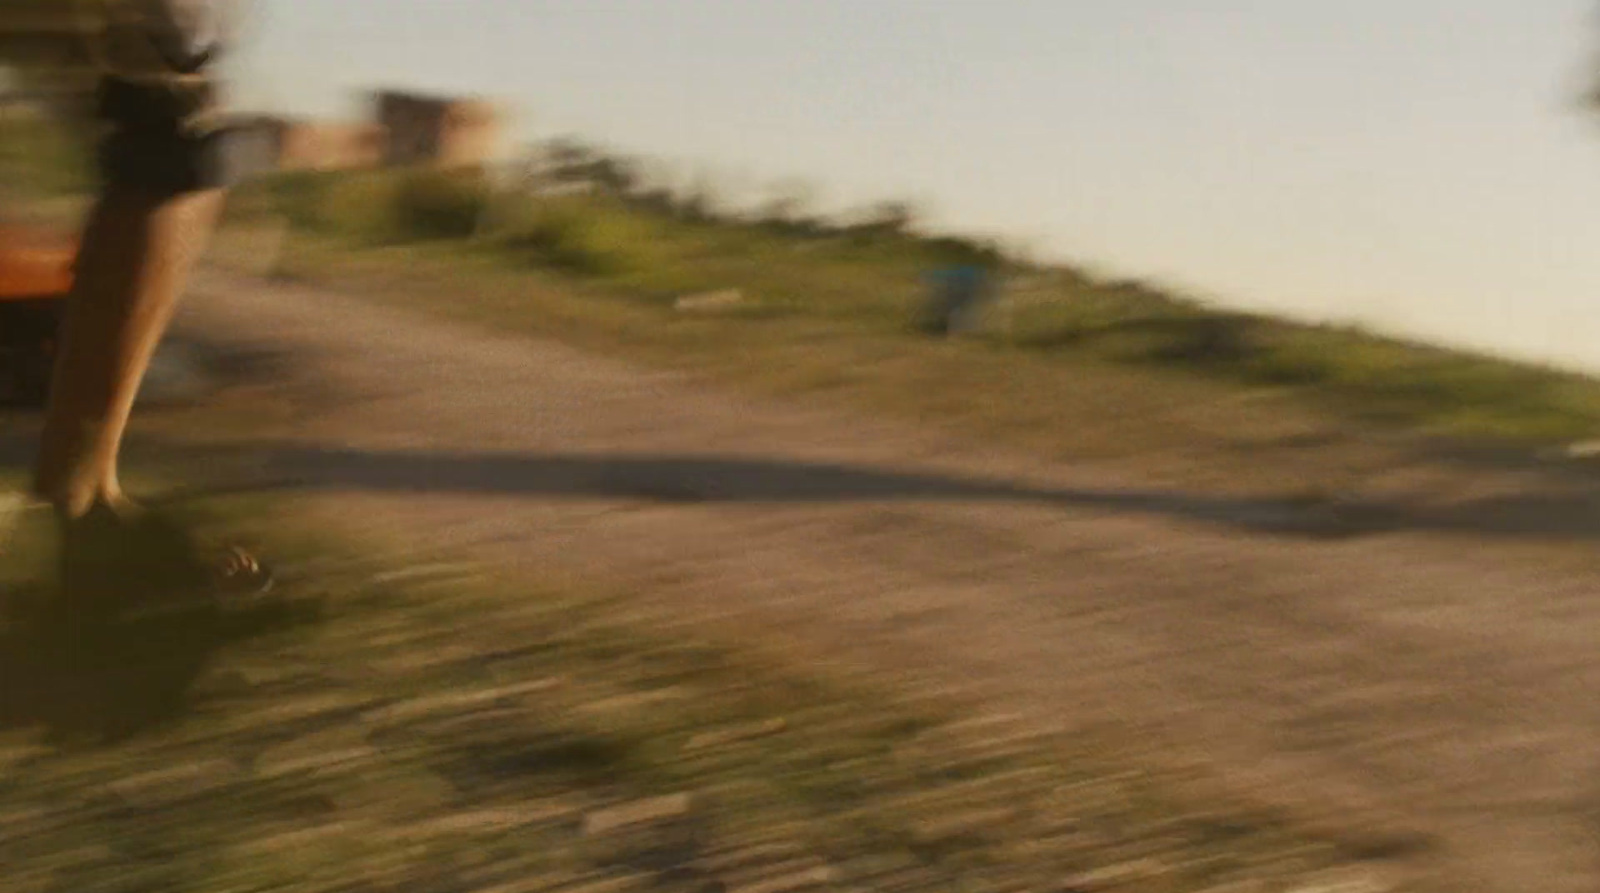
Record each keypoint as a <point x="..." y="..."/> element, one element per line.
<point x="956" y="293"/>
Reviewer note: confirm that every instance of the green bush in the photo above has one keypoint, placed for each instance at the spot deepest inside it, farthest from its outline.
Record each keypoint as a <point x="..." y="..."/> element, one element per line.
<point x="306" y="199"/>
<point x="429" y="205"/>
<point x="363" y="207"/>
<point x="578" y="236"/>
<point x="374" y="207"/>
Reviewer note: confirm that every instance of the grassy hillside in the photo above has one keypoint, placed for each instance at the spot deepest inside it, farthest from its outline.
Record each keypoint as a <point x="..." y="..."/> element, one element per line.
<point x="647" y="252"/>
<point x="621" y="242"/>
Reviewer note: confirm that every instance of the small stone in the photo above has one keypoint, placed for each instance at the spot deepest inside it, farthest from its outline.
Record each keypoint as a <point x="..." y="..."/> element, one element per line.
<point x="302" y="709"/>
<point x="435" y="571"/>
<point x="1348" y="885"/>
<point x="632" y="702"/>
<point x="962" y="823"/>
<point x="639" y="812"/>
<point x="313" y="763"/>
<point x="412" y="660"/>
<point x="789" y="882"/>
<point x="299" y="838"/>
<point x="776" y="873"/>
<point x="608" y="885"/>
<point x="724" y="737"/>
<point x="550" y="885"/>
<point x="490" y="821"/>
<point x="1117" y="874"/>
<point x="177" y="782"/>
<point x="1584" y="449"/>
<point x="395" y="791"/>
<point x="261" y="674"/>
<point x="746" y="859"/>
<point x="710" y="301"/>
<point x="417" y="708"/>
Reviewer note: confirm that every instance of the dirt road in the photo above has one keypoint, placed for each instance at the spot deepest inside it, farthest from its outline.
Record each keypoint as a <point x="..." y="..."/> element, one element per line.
<point x="1429" y="679"/>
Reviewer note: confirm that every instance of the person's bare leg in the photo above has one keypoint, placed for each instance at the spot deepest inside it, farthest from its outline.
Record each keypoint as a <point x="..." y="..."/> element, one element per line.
<point x="134" y="261"/>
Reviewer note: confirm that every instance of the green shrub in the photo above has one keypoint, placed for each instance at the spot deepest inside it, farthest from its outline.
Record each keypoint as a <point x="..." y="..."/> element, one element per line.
<point x="380" y="207"/>
<point x="297" y="195"/>
<point x="429" y="205"/>
<point x="578" y="236"/>
<point x="340" y="204"/>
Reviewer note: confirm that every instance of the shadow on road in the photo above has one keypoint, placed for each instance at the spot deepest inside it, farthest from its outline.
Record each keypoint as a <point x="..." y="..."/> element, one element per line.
<point x="719" y="479"/>
<point x="1571" y="514"/>
<point x="728" y="479"/>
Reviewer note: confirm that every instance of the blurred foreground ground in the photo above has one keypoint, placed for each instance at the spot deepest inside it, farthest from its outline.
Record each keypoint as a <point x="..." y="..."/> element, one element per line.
<point x="1155" y="687"/>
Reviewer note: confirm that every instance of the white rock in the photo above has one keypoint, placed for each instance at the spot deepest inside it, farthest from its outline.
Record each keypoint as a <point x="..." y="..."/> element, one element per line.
<point x="711" y="300"/>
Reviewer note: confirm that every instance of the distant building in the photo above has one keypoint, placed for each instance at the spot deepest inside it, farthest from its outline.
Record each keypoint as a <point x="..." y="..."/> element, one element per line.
<point x="274" y="143"/>
<point x="438" y="131"/>
<point x="332" y="146"/>
<point x="407" y="129"/>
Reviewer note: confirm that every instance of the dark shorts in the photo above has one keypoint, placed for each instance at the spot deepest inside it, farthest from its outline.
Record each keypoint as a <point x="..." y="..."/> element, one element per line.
<point x="167" y="163"/>
<point x="149" y="149"/>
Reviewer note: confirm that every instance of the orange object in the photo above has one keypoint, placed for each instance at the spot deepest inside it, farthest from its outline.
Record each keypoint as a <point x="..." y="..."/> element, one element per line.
<point x="34" y="264"/>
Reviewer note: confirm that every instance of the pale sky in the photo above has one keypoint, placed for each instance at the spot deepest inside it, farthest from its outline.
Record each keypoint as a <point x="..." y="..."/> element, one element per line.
<point x="1418" y="164"/>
